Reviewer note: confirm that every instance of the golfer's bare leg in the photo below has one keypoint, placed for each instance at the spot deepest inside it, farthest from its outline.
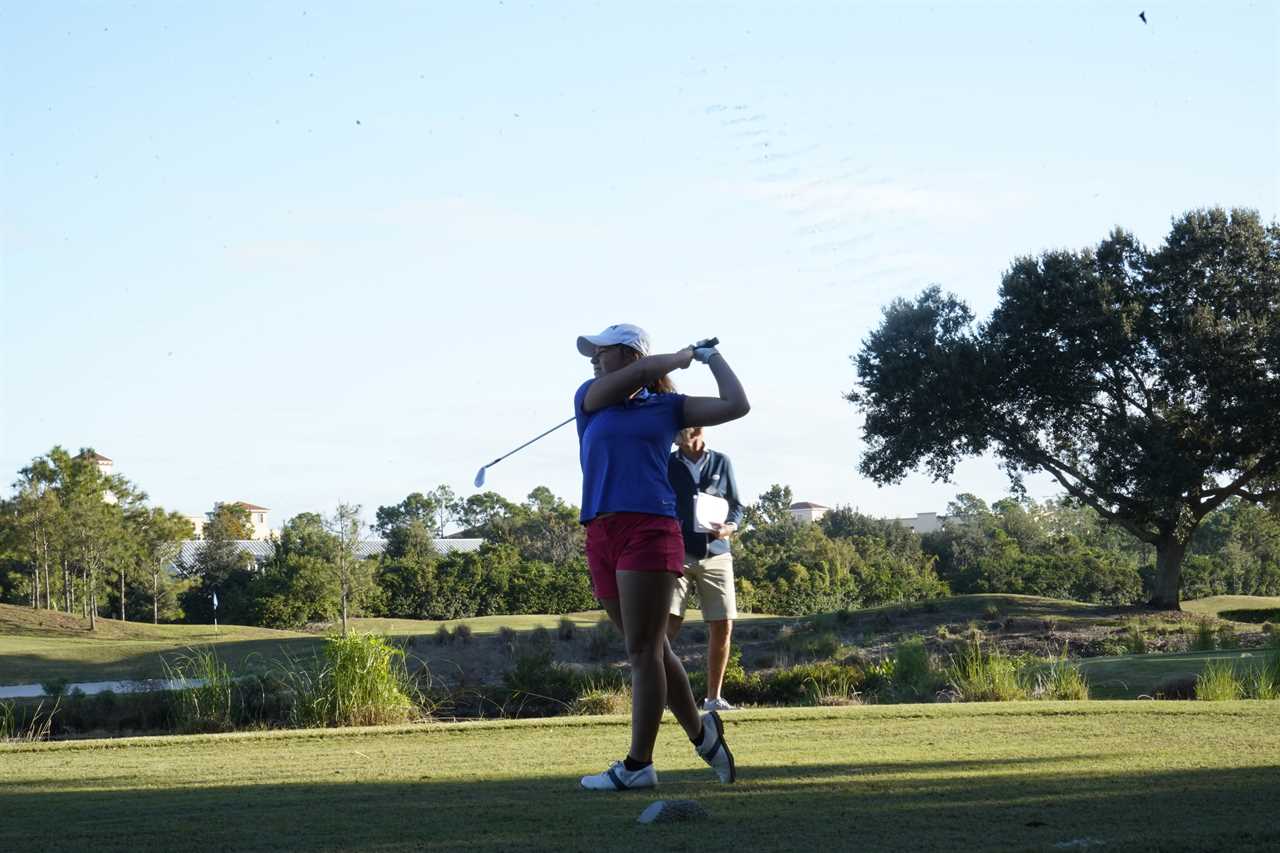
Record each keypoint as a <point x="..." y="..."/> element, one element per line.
<point x="643" y="599"/>
<point x="718" y="633"/>
<point x="680" y="697"/>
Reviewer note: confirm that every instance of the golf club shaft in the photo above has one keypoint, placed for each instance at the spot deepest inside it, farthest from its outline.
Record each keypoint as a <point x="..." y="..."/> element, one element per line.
<point x="529" y="442"/>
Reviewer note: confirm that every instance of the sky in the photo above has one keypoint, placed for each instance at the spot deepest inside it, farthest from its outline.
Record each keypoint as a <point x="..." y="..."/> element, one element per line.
<point x="304" y="253"/>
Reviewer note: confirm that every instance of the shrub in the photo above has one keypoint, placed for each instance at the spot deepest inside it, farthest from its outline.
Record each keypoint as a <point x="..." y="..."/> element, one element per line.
<point x="540" y="639"/>
<point x="539" y="685"/>
<point x="1227" y="638"/>
<point x="463" y="633"/>
<point x="979" y="675"/>
<point x="914" y="675"/>
<point x="55" y="686"/>
<point x="942" y="633"/>
<point x="878" y="677"/>
<point x="807" y="684"/>
<point x="1205" y="640"/>
<point x="507" y="640"/>
<point x="1135" y="641"/>
<point x="204" y="691"/>
<point x="808" y="642"/>
<point x="567" y="629"/>
<point x="443" y="635"/>
<point x="604" y="638"/>
<point x="991" y="613"/>
<point x="1219" y="682"/>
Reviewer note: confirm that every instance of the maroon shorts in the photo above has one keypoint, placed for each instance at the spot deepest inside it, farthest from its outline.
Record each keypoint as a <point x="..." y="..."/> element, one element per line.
<point x="631" y="542"/>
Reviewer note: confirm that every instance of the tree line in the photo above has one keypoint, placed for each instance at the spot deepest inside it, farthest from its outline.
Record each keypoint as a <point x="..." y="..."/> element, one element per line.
<point x="75" y="540"/>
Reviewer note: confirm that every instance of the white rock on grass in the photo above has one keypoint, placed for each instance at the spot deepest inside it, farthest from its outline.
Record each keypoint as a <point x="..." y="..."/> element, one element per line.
<point x="670" y="811"/>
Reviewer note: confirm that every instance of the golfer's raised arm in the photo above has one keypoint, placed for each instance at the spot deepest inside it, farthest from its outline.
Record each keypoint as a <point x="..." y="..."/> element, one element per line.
<point x="614" y="387"/>
<point x="730" y="405"/>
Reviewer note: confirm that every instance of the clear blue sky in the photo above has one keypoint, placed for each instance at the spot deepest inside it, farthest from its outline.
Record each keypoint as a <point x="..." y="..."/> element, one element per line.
<point x="309" y="253"/>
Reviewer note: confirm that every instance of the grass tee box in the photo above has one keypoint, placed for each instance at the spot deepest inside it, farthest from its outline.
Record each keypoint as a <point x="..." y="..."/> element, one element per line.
<point x="1051" y="776"/>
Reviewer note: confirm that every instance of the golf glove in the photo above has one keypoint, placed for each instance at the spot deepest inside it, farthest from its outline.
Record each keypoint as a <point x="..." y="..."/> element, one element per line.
<point x="703" y="354"/>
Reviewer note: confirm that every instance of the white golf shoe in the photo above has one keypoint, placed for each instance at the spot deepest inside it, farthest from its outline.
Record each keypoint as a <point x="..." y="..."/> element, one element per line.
<point x="714" y="750"/>
<point x="717" y="704"/>
<point x="619" y="778"/>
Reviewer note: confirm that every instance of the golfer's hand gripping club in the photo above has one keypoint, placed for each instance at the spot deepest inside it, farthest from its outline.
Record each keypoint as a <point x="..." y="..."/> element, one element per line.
<point x="704" y="349"/>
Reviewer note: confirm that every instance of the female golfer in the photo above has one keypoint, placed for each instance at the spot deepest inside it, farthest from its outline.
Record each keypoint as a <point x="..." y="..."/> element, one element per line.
<point x="628" y="416"/>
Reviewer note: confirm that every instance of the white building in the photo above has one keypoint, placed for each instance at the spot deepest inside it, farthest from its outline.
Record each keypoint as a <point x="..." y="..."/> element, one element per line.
<point x="924" y="522"/>
<point x="257" y="520"/>
<point x="104" y="467"/>
<point x="263" y="549"/>
<point x="806" y="511"/>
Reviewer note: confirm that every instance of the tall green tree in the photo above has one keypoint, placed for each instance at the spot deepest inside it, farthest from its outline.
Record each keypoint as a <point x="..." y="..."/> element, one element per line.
<point x="159" y="535"/>
<point x="299" y="584"/>
<point x="1146" y="382"/>
<point x="353" y="574"/>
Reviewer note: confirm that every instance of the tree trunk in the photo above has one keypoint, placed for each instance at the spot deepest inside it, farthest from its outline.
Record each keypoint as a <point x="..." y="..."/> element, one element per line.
<point x="48" y="581"/>
<point x="91" y="598"/>
<point x="1168" y="579"/>
<point x="66" y="586"/>
<point x="344" y="611"/>
<point x="35" y="585"/>
<point x="122" y="619"/>
<point x="155" y="598"/>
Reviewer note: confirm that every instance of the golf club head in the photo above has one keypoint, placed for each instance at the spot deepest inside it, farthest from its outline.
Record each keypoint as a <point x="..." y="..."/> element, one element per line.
<point x="480" y="477"/>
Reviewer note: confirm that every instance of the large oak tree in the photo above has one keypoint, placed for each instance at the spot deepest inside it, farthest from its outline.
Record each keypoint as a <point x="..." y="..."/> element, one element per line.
<point x="1146" y="382"/>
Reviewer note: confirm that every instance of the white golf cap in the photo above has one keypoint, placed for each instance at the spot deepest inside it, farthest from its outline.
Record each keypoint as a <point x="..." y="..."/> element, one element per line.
<point x="622" y="333"/>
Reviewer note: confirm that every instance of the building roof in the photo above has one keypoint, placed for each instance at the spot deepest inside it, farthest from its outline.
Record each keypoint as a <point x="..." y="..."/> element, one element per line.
<point x="263" y="549"/>
<point x="93" y="456"/>
<point x="251" y="507"/>
<point x="808" y="505"/>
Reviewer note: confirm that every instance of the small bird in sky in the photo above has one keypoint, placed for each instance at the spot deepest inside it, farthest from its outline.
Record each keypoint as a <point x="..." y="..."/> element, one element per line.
<point x="1143" y="15"/>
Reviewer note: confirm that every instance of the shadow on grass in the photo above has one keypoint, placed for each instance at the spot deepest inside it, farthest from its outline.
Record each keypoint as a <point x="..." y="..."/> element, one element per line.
<point x="952" y="805"/>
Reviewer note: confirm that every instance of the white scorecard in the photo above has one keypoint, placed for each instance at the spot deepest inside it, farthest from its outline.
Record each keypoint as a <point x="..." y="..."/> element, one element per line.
<point x="708" y="510"/>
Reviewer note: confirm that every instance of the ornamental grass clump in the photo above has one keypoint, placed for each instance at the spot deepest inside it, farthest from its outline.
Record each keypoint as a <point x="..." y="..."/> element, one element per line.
<point x="359" y="680"/>
<point x="1135" y="640"/>
<point x="1264" y="682"/>
<point x="1205" y="639"/>
<point x="914" y="675"/>
<point x="1062" y="680"/>
<point x="1219" y="682"/>
<point x="981" y="675"/>
<point x="203" y="701"/>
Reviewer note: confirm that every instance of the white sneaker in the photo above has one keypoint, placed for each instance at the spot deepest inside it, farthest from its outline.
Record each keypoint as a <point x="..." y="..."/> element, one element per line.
<point x="716" y="704"/>
<point x="714" y="750"/>
<point x="619" y="778"/>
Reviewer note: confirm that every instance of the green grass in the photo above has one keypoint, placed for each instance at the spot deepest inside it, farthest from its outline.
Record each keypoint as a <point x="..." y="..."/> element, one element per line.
<point x="1129" y="776"/>
<point x="1127" y="676"/>
<point x="1216" y="605"/>
<point x="38" y="646"/>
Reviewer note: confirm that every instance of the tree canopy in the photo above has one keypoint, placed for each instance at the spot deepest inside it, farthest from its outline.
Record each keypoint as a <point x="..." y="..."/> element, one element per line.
<point x="1146" y="382"/>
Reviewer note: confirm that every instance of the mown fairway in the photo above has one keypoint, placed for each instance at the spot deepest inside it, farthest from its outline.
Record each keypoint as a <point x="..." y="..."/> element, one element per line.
<point x="1018" y="776"/>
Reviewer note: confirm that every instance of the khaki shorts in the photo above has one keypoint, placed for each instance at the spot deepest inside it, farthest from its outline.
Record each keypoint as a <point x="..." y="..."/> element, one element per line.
<point x="714" y="578"/>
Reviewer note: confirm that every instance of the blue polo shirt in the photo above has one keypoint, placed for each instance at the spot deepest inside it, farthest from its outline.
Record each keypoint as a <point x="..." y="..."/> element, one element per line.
<point x="623" y="450"/>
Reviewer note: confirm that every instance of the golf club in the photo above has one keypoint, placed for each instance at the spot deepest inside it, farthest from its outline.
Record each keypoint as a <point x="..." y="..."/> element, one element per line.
<point x="479" y="481"/>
